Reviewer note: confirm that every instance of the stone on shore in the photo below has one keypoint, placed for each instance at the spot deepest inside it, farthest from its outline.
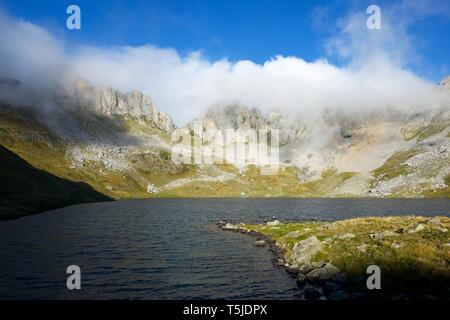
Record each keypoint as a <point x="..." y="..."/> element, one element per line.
<point x="274" y="223"/>
<point x="230" y="226"/>
<point x="260" y="243"/>
<point x="327" y="272"/>
<point x="305" y="250"/>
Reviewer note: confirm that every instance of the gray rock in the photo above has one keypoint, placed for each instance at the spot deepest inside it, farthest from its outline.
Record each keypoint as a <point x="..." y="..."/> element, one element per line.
<point x="230" y="226"/>
<point x="345" y="236"/>
<point x="292" y="234"/>
<point x="416" y="228"/>
<point x="396" y="245"/>
<point x="110" y="102"/>
<point x="301" y="279"/>
<point x="303" y="251"/>
<point x="291" y="269"/>
<point x="325" y="273"/>
<point x="340" y="278"/>
<point x="260" y="243"/>
<point x="338" y="295"/>
<point x="273" y="223"/>
<point x="311" y="293"/>
<point x="305" y="268"/>
<point x="382" y="235"/>
<point x="318" y="264"/>
<point x="363" y="247"/>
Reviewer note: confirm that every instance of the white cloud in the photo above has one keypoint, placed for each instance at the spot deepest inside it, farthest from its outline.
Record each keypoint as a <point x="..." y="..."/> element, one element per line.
<point x="186" y="86"/>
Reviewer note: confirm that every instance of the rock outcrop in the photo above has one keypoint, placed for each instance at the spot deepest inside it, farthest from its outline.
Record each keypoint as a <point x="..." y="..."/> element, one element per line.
<point x="109" y="102"/>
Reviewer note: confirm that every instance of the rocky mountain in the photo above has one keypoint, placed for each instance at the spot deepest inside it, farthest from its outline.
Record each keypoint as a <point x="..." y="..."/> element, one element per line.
<point x="120" y="145"/>
<point x="109" y="102"/>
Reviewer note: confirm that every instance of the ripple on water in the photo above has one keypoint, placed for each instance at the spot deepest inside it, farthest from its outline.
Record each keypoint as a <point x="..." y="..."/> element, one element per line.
<point x="165" y="248"/>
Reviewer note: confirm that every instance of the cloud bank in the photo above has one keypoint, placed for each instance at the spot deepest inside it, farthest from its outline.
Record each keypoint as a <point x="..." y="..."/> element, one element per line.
<point x="373" y="76"/>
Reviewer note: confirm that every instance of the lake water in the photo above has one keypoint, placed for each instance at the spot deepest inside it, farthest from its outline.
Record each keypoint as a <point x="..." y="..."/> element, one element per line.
<point x="165" y="248"/>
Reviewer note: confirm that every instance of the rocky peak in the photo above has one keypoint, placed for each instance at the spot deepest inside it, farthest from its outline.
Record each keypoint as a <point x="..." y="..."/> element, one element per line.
<point x="236" y="116"/>
<point x="109" y="102"/>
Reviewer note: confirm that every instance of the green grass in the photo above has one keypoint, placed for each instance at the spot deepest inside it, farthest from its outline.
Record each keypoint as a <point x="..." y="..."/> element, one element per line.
<point x="395" y="166"/>
<point x="422" y="258"/>
<point x="425" y="131"/>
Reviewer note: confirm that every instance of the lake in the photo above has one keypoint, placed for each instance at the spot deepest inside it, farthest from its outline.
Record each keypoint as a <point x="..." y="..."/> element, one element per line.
<point x="166" y="248"/>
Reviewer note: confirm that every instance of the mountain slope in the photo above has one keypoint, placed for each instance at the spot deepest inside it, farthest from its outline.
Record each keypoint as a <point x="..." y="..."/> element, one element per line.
<point x="26" y="190"/>
<point x="120" y="145"/>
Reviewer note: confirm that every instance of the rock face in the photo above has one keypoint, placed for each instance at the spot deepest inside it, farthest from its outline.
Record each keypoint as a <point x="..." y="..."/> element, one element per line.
<point x="109" y="102"/>
<point x="237" y="116"/>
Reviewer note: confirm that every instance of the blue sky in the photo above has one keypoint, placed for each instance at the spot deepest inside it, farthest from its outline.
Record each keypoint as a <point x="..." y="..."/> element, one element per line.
<point x="247" y="29"/>
<point x="295" y="57"/>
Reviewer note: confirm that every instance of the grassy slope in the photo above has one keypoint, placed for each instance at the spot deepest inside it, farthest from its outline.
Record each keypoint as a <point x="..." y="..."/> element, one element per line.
<point x="26" y="190"/>
<point x="35" y="144"/>
<point x="252" y="184"/>
<point x="422" y="257"/>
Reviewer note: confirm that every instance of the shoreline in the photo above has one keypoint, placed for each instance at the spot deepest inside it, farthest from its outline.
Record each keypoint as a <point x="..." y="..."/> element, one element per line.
<point x="319" y="278"/>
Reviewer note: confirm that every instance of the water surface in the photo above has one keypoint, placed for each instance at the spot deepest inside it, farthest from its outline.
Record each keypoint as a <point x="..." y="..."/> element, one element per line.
<point x="165" y="248"/>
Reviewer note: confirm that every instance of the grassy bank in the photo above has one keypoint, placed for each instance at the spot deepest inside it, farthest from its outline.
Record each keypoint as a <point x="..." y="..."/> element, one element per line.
<point x="413" y="252"/>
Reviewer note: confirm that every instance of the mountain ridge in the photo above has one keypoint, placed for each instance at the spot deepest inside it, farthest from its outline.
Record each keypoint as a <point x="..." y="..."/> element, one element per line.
<point x="120" y="144"/>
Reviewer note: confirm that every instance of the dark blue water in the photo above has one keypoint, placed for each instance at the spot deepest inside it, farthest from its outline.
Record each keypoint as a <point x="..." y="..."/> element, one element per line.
<point x="165" y="248"/>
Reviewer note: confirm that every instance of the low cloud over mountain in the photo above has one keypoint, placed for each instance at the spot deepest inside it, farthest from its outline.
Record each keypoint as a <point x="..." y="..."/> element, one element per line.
<point x="373" y="74"/>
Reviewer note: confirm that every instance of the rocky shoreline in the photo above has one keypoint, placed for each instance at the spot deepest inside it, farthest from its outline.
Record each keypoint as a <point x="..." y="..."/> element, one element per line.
<point x="302" y="249"/>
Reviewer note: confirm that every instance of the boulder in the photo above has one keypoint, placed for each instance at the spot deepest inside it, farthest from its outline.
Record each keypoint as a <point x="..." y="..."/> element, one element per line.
<point x="230" y="226"/>
<point x="415" y="228"/>
<point x="292" y="234"/>
<point x="301" y="279"/>
<point x="382" y="235"/>
<point x="396" y="245"/>
<point x="260" y="243"/>
<point x="363" y="247"/>
<point x="312" y="293"/>
<point x="345" y="236"/>
<point x="305" y="250"/>
<point x="325" y="273"/>
<point x="274" y="223"/>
